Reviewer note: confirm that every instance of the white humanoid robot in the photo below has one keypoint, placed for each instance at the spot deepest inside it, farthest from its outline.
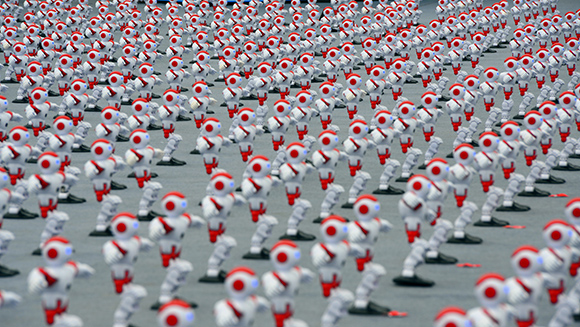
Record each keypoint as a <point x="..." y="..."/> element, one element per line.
<point x="282" y="283"/>
<point x="37" y="111"/>
<point x="356" y="145"/>
<point x="280" y="122"/>
<point x="413" y="208"/>
<point x="488" y="159"/>
<point x="437" y="171"/>
<point x="326" y="159"/>
<point x="169" y="114"/>
<point x="531" y="136"/>
<point x="557" y="257"/>
<point x="491" y="292"/>
<point x="294" y="171"/>
<point x="406" y="124"/>
<point x="509" y="147"/>
<point x="52" y="282"/>
<point x="352" y="94"/>
<point x="210" y="142"/>
<point x="245" y="132"/>
<point x="140" y="155"/>
<point x="101" y="169"/>
<point x="383" y="134"/>
<point x="257" y="185"/>
<point x="461" y="173"/>
<point x="122" y="252"/>
<point x="240" y="308"/>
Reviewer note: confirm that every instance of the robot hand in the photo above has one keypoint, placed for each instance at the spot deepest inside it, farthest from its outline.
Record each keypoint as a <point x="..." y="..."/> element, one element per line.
<point x="307" y="275"/>
<point x="36" y="282"/>
<point x="146" y="244"/>
<point x="84" y="270"/>
<point x="9" y="299"/>
<point x="156" y="230"/>
<point x="113" y="256"/>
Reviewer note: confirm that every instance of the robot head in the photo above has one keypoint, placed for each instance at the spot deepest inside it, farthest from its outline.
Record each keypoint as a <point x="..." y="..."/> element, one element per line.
<point x="233" y="80"/>
<point x="211" y="127"/>
<point x="65" y="60"/>
<point x="56" y="251"/>
<point x="438" y="47"/>
<point x="115" y="78"/>
<point x="77" y="37"/>
<point x="110" y="115"/>
<point x="334" y="229"/>
<point x="572" y="211"/>
<point x="378" y="72"/>
<point x="491" y="74"/>
<point x="222" y="183"/>
<point x="557" y="233"/>
<point x="259" y="166"/>
<point x="250" y="47"/>
<point x="427" y="54"/>
<point x="328" y="140"/>
<point x="174" y="204"/>
<point x="93" y="55"/>
<point x="366" y="207"/>
<point x="273" y="41"/>
<point x="79" y="86"/>
<point x="451" y="317"/>
<point x="306" y="59"/>
<point x="304" y="98"/>
<point x="347" y="48"/>
<point x="510" y="131"/>
<point x="238" y="29"/>
<point x="19" y="135"/>
<point x="48" y="163"/>
<point x="124" y="226"/>
<point x="358" y="129"/>
<point x="139" y="139"/>
<point x="171" y="97"/>
<point x="175" y="313"/>
<point x="223" y="33"/>
<point x="429" y="99"/>
<point x="229" y="52"/>
<point x="286" y="64"/>
<point x="327" y="90"/>
<point x="557" y="49"/>
<point x="463" y="154"/>
<point x="527" y="61"/>
<point x="101" y="149"/>
<point x="420" y="185"/>
<point x="533" y="120"/>
<point x="149" y="45"/>
<point x="246" y="116"/>
<point x="347" y="24"/>
<point x="282" y="108"/>
<point x="175" y="40"/>
<point x="333" y="53"/>
<point x="511" y="64"/>
<point x="567" y="100"/>
<point x="146" y="69"/>
<point x="488" y="141"/>
<point x="19" y="48"/>
<point x="548" y="110"/>
<point x="353" y="81"/>
<point x="457" y="91"/>
<point x="63" y="125"/>
<point x="296" y="152"/>
<point x="572" y="43"/>
<point x="369" y="43"/>
<point x="557" y="20"/>
<point x="405" y="34"/>
<point x="490" y="290"/>
<point x="479" y="37"/>
<point x="176" y="63"/>
<point x="457" y="43"/>
<point x="399" y="65"/>
<point x="34" y="68"/>
<point x="526" y="260"/>
<point x="297" y="17"/>
<point x="471" y="82"/>
<point x="39" y="95"/>
<point x="383" y="119"/>
<point x="284" y="255"/>
<point x="33" y="30"/>
<point x="437" y="169"/>
<point x="435" y="24"/>
<point x="279" y="20"/>
<point x="407" y="109"/>
<point x="265" y="69"/>
<point x="241" y="282"/>
<point x="140" y="107"/>
<point x="294" y="38"/>
<point x="264" y="24"/>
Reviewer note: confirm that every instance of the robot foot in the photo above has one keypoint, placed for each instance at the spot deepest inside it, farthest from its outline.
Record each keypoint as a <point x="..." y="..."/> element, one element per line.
<point x="154" y="127"/>
<point x="468" y="239"/>
<point x="347" y="205"/>
<point x="250" y="97"/>
<point x="263" y="255"/>
<point x="122" y="138"/>
<point x="7" y="272"/>
<point x="340" y="106"/>
<point x="441" y="259"/>
<point x="155" y="306"/>
<point x="23" y="100"/>
<point x="183" y="118"/>
<point x="52" y="93"/>
<point x="567" y="167"/>
<point x="266" y="129"/>
<point x="194" y="151"/>
<point x="489" y="51"/>
<point x="127" y="103"/>
<point x="422" y="167"/>
<point x="82" y="148"/>
<point x="535" y="193"/>
<point x="32" y="160"/>
<point x="450" y="155"/>
<point x="300" y="236"/>
<point x="153" y="175"/>
<point x="72" y="199"/>
<point x="156" y="96"/>
<point x="11" y="81"/>
<point x="94" y="109"/>
<point x="514" y="207"/>
<point x="499" y="46"/>
<point x="494" y="222"/>
<point x="372" y="309"/>
<point x="576" y="316"/>
<point x="219" y="79"/>
<point x="275" y="90"/>
<point x="389" y="191"/>
<point x="102" y="233"/>
<point x="518" y="117"/>
<point x="171" y="162"/>
<point x="37" y="252"/>
<point x="219" y="279"/>
<point x="316" y="80"/>
<point x="117" y="186"/>
<point x="444" y="98"/>
<point x="21" y="214"/>
<point x="403" y="179"/>
<point x="414" y="281"/>
<point x="411" y="81"/>
<point x="574" y="156"/>
<point x="150" y="216"/>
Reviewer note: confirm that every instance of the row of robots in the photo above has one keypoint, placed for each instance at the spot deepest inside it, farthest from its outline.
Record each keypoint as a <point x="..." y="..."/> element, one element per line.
<point x="384" y="35"/>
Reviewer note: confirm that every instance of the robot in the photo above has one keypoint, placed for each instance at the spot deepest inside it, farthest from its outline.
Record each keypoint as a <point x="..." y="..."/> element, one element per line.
<point x="199" y="103"/>
<point x="110" y="128"/>
<point x="429" y="113"/>
<point x="140" y="155"/>
<point x="488" y="159"/>
<point x="280" y="122"/>
<point x="437" y="172"/>
<point x="77" y="100"/>
<point x="461" y="173"/>
<point x="232" y="93"/>
<point x="242" y="305"/>
<point x="406" y="124"/>
<point x="282" y="283"/>
<point x="356" y="145"/>
<point x="176" y="74"/>
<point x="509" y="147"/>
<point x="489" y="291"/>
<point x="490" y="87"/>
<point x="450" y="315"/>
<point x="257" y="186"/>
<point x="210" y="142"/>
<point x="53" y="281"/>
<point x="37" y="111"/>
<point x="15" y="153"/>
<point x="34" y="78"/>
<point x="557" y="256"/>
<point x="121" y="253"/>
<point x="116" y="92"/>
<point x="284" y="76"/>
<point x="326" y="159"/>
<point x="455" y="106"/>
<point x="245" y="132"/>
<point x="294" y="171"/>
<point x="531" y="136"/>
<point x="397" y="77"/>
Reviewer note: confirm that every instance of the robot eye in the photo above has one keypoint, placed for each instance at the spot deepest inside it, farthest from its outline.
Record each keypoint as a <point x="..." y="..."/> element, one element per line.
<point x="297" y="254"/>
<point x="68" y="250"/>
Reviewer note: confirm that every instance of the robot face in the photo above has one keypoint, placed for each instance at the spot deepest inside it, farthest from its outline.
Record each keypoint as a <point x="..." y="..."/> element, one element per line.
<point x="306" y="59"/>
<point x="328" y="139"/>
<point x="39" y="95"/>
<point x="472" y="82"/>
<point x="94" y="55"/>
<point x="229" y="52"/>
<point x="491" y="74"/>
<point x="175" y="40"/>
<point x="479" y="38"/>
<point x="61" y="26"/>
<point x="238" y="29"/>
<point x="533" y="120"/>
<point x="407" y="109"/>
<point x="273" y="41"/>
<point x="366" y="207"/>
<point x="77" y="37"/>
<point x="530" y="29"/>
<point x="297" y="17"/>
<point x="310" y="34"/>
<point x="115" y="78"/>
<point x="354" y="81"/>
<point x="234" y="79"/>
<point x="19" y="48"/>
<point x="128" y="50"/>
<point x="34" y="68"/>
<point x="201" y="37"/>
<point x="176" y="63"/>
<point x="463" y="154"/>
<point x="557" y="19"/>
<point x="296" y="152"/>
<point x="358" y="128"/>
<point x="510" y="130"/>
<point x="259" y="165"/>
<point x="457" y="43"/>
<point x="140" y="106"/>
<point x="405" y="34"/>
<point x="526" y="260"/>
<point x="110" y="115"/>
<point x="19" y="135"/>
<point x="451" y="317"/>
<point x="241" y="282"/>
<point x="146" y="69"/>
<point x="548" y="110"/>
<point x="333" y="229"/>
<point x="378" y="72"/>
<point x="48" y="162"/>
<point x="57" y="251"/>
<point x="557" y="49"/>
<point x="557" y="233"/>
<point x="546" y="23"/>
<point x="264" y="24"/>
<point x="365" y="20"/>
<point x="250" y="46"/>
<point x="328" y="89"/>
<point x="511" y="64"/>
<point x="139" y="138"/>
<point x="170" y="97"/>
<point x="488" y="141"/>
<point x="451" y="20"/>
<point x="527" y="61"/>
<point x="399" y="65"/>
<point x="294" y="38"/>
<point x="101" y="149"/>
<point x="572" y="211"/>
<point x="236" y="13"/>
<point x="175" y="313"/>
<point x="174" y="204"/>
<point x="427" y="54"/>
<point x="79" y="86"/>
<point x="435" y="24"/>
<point x="65" y="60"/>
<point x="347" y="48"/>
<point x="572" y="43"/>
<point x="284" y="255"/>
<point x="203" y="57"/>
<point x="457" y="91"/>
<point x="419" y="184"/>
<point x="542" y="54"/>
<point x="63" y="125"/>
<point x="490" y="289"/>
<point x="333" y="53"/>
<point x="437" y="169"/>
<point x="390" y="38"/>
<point x="282" y="107"/>
<point x="570" y="16"/>
<point x="369" y="43"/>
<point x="124" y="225"/>
<point x="10" y="33"/>
<point x="265" y="69"/>
<point x="222" y="183"/>
<point x="304" y="98"/>
<point x="173" y="10"/>
<point x="438" y="47"/>
<point x="211" y="126"/>
<point x="328" y="12"/>
<point x="279" y="20"/>
<point x="429" y="98"/>
<point x="347" y="24"/>
<point x="421" y="30"/>
<point x="567" y="99"/>
<point x="218" y="15"/>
